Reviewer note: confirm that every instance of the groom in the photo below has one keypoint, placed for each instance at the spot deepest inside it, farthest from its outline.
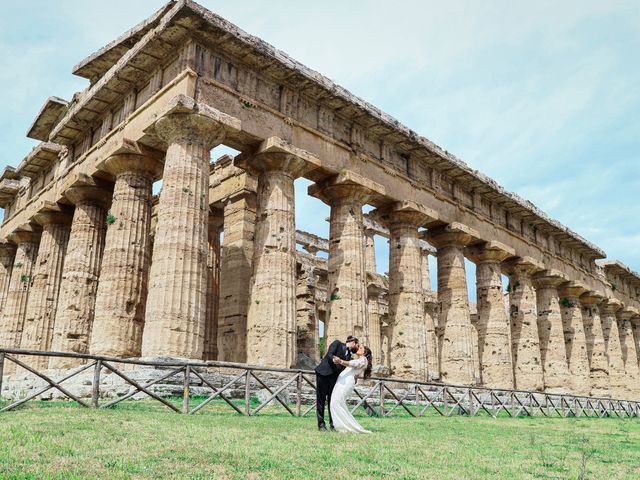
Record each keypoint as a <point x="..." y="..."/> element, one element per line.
<point x="327" y="373"/>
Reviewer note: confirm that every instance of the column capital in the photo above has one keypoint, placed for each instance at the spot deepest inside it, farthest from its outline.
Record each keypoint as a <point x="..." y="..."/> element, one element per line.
<point x="346" y="186"/>
<point x="50" y="217"/>
<point x="490" y="252"/>
<point x="7" y="250"/>
<point x="131" y="156"/>
<point x="187" y="121"/>
<point x="549" y="279"/>
<point x="405" y="213"/>
<point x="610" y="305"/>
<point x="626" y="313"/>
<point x="276" y="154"/>
<point x="591" y="298"/>
<point x="32" y="235"/>
<point x="452" y="234"/>
<point x="523" y="265"/>
<point x="80" y="193"/>
<point x="572" y="289"/>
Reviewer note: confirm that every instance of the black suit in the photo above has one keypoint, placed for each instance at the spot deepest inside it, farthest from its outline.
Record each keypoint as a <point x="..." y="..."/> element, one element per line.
<point x="327" y="374"/>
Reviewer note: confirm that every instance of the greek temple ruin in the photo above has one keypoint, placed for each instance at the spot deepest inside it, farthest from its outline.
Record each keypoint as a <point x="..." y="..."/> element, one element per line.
<point x="213" y="267"/>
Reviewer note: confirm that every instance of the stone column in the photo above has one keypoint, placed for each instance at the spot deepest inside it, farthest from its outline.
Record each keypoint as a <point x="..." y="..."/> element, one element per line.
<point x="374" y="291"/>
<point x="494" y="338"/>
<point x="271" y="319"/>
<point x="176" y="303"/>
<point x="629" y="354"/>
<point x="370" y="251"/>
<point x="47" y="276"/>
<point x="596" y="352"/>
<point x="408" y="336"/>
<point x="308" y="353"/>
<point x="456" y="349"/>
<point x="120" y="302"/>
<point x="13" y="313"/>
<point x="347" y="302"/>
<point x="553" y="353"/>
<point x="83" y="259"/>
<point x="613" y="349"/>
<point x="635" y="326"/>
<point x="213" y="288"/>
<point x="574" y="338"/>
<point x="525" y="342"/>
<point x="424" y="266"/>
<point x="236" y="265"/>
<point x="7" y="256"/>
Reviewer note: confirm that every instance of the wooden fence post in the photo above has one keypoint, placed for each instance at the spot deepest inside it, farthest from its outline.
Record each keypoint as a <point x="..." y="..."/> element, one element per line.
<point x="299" y="394"/>
<point x="247" y="393"/>
<point x="185" y="391"/>
<point x="95" y="392"/>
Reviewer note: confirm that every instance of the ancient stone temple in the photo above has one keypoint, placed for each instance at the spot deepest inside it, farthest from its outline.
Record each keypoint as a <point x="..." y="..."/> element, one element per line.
<point x="214" y="268"/>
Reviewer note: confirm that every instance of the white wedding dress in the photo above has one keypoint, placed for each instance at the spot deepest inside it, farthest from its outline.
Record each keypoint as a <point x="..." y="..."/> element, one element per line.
<point x="343" y="421"/>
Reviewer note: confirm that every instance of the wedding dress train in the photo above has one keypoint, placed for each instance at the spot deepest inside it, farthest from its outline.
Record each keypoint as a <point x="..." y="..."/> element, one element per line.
<point x="343" y="421"/>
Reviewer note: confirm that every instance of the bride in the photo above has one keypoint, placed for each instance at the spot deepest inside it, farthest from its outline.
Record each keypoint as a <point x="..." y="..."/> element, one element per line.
<point x="343" y="421"/>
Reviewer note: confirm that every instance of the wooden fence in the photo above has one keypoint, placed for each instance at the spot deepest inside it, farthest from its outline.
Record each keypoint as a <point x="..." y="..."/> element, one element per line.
<point x="378" y="396"/>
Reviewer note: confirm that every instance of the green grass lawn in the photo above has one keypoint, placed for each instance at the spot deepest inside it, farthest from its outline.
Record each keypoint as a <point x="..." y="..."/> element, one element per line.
<point x="144" y="440"/>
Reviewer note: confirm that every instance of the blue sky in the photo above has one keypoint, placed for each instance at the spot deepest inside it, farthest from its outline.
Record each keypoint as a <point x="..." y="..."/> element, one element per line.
<point x="544" y="96"/>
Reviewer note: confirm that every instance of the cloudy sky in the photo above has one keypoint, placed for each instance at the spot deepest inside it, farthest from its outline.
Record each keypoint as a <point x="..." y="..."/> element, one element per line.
<point x="543" y="96"/>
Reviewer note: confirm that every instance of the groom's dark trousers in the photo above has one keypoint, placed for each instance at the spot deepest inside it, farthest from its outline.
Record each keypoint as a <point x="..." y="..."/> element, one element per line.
<point x="327" y="374"/>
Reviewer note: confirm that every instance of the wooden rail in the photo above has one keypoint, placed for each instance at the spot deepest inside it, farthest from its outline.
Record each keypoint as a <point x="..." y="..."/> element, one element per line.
<point x="378" y="396"/>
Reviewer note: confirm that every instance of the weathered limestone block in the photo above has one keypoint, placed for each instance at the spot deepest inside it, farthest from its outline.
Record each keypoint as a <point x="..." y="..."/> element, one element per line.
<point x="525" y="342"/>
<point x="80" y="273"/>
<point x="596" y="352"/>
<point x="457" y="363"/>
<point x="13" y="313"/>
<point x="176" y="304"/>
<point x="120" y="301"/>
<point x="347" y="302"/>
<point x="553" y="353"/>
<point x="408" y="342"/>
<point x="629" y="353"/>
<point x="235" y="277"/>
<point x="45" y="290"/>
<point x="7" y="256"/>
<point x="271" y="319"/>
<point x="613" y="349"/>
<point x="308" y="353"/>
<point x="213" y="287"/>
<point x="494" y="338"/>
<point x="574" y="337"/>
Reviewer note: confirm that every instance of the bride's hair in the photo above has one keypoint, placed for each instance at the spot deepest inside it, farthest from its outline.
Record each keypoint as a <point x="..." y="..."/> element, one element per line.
<point x="367" y="355"/>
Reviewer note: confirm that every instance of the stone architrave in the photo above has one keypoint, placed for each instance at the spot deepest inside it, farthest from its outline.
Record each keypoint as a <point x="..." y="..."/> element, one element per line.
<point x="80" y="273"/>
<point x="457" y="363"/>
<point x="235" y="276"/>
<point x="271" y="318"/>
<point x="7" y="256"/>
<point x="15" y="307"/>
<point x="408" y="336"/>
<point x="120" y="301"/>
<point x="596" y="351"/>
<point x="346" y="193"/>
<point x="613" y="349"/>
<point x="629" y="353"/>
<point x="374" y="291"/>
<point x="45" y="289"/>
<point x="176" y="306"/>
<point x="553" y="353"/>
<point x="494" y="336"/>
<point x="213" y="287"/>
<point x="574" y="337"/>
<point x="525" y="342"/>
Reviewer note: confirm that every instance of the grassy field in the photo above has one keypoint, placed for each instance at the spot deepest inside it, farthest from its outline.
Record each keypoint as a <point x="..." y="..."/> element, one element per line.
<point x="143" y="440"/>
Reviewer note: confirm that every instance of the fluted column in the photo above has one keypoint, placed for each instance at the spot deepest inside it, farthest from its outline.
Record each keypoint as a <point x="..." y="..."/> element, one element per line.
<point x="119" y="319"/>
<point x="574" y="337"/>
<point x="213" y="288"/>
<point x="370" y="251"/>
<point x="457" y="364"/>
<point x="13" y="313"/>
<point x="347" y="302"/>
<point x="306" y="317"/>
<point x="271" y="319"/>
<point x="629" y="354"/>
<point x="525" y="342"/>
<point x="80" y="274"/>
<point x="375" y="322"/>
<point x="424" y="267"/>
<point x="596" y="352"/>
<point x="176" y="306"/>
<point x="47" y="276"/>
<point x="494" y="337"/>
<point x="553" y="353"/>
<point x="236" y="265"/>
<point x="7" y="256"/>
<point x="635" y="326"/>
<point x="613" y="349"/>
